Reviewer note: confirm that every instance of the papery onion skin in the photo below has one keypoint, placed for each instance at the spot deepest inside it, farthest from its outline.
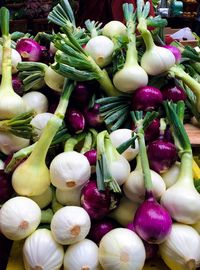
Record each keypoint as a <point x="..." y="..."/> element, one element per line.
<point x="152" y="222"/>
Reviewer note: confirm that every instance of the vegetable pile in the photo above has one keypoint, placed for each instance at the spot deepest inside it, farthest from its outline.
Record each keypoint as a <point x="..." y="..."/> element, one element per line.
<point x="97" y="170"/>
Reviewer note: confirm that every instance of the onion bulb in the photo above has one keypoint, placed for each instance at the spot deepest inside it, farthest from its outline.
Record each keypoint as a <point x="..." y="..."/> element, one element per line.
<point x="36" y="101"/>
<point x="121" y="249"/>
<point x="19" y="217"/>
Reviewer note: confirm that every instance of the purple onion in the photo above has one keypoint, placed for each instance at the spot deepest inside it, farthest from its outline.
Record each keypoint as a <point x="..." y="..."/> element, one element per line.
<point x="17" y="85"/>
<point x="168" y="135"/>
<point x="100" y="227"/>
<point x="75" y="120"/>
<point x="91" y="155"/>
<point x="162" y="155"/>
<point x="97" y="204"/>
<point x="153" y="130"/>
<point x="151" y="221"/>
<point x="146" y="98"/>
<point x="174" y="93"/>
<point x="6" y="189"/>
<point x="81" y="94"/>
<point x="92" y="117"/>
<point x="46" y="56"/>
<point x="176" y="52"/>
<point x="130" y="226"/>
<point x="29" y="49"/>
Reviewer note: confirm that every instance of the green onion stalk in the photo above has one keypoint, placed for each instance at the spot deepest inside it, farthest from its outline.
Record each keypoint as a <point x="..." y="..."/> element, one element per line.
<point x="11" y="104"/>
<point x="32" y="177"/>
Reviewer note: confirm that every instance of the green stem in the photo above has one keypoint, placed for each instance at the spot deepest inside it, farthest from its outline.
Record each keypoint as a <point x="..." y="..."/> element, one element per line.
<point x="106" y="83"/>
<point x="146" y="34"/>
<point x="54" y="203"/>
<point x="39" y="152"/>
<point x="111" y="152"/>
<point x="139" y="164"/>
<point x="131" y="55"/>
<point x="87" y="143"/>
<point x="70" y="144"/>
<point x="100" y="143"/>
<point x="179" y="73"/>
<point x="186" y="175"/>
<point x="144" y="160"/>
<point x="47" y="216"/>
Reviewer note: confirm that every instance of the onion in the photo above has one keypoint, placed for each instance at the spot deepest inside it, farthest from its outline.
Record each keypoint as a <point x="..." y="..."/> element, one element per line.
<point x="75" y="120"/>
<point x="100" y="227"/>
<point x="91" y="155"/>
<point x="113" y="29"/>
<point x="15" y="59"/>
<point x="146" y="98"/>
<point x="17" y="85"/>
<point x="176" y="52"/>
<point x="36" y="101"/>
<point x="162" y="155"/>
<point x="29" y="49"/>
<point x="173" y="93"/>
<point x="92" y="117"/>
<point x="6" y="189"/>
<point x="97" y="204"/>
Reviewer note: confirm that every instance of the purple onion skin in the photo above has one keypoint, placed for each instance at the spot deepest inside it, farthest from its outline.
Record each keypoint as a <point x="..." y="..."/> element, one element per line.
<point x="162" y="155"/>
<point x="75" y="120"/>
<point x="17" y="85"/>
<point x="96" y="203"/>
<point x="152" y="131"/>
<point x="6" y="189"/>
<point x="92" y="117"/>
<point x="29" y="49"/>
<point x="100" y="227"/>
<point x="176" y="52"/>
<point x="152" y="222"/>
<point x="91" y="155"/>
<point x="81" y="94"/>
<point x="174" y="93"/>
<point x="146" y="98"/>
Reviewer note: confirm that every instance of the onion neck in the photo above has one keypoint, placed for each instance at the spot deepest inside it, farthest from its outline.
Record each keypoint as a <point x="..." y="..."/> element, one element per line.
<point x="146" y="34"/>
<point x="139" y="164"/>
<point x="6" y="81"/>
<point x="144" y="161"/>
<point x="111" y="152"/>
<point x="131" y="55"/>
<point x="186" y="175"/>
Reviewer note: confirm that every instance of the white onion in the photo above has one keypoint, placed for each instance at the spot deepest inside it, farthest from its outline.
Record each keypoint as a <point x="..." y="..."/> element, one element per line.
<point x="19" y="217"/>
<point x="114" y="28"/>
<point x="70" y="225"/>
<point x="54" y="80"/>
<point x="39" y="122"/>
<point x="36" y="101"/>
<point x="15" y="58"/>
<point x="41" y="251"/>
<point x="82" y="255"/>
<point x="70" y="196"/>
<point x="121" y="249"/>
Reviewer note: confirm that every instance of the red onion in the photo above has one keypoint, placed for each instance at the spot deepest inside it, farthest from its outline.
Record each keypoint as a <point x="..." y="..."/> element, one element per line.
<point x="80" y="95"/>
<point x="29" y="49"/>
<point x="100" y="227"/>
<point x="92" y="117"/>
<point x="97" y="204"/>
<point x="46" y="56"/>
<point x="162" y="155"/>
<point x="146" y="98"/>
<point x="6" y="189"/>
<point x="91" y="155"/>
<point x="17" y="85"/>
<point x="176" y="52"/>
<point x="174" y="93"/>
<point x="75" y="120"/>
<point x="151" y="221"/>
<point x="152" y="131"/>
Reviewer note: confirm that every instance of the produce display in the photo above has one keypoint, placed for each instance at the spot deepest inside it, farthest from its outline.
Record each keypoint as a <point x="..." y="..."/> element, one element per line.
<point x="97" y="170"/>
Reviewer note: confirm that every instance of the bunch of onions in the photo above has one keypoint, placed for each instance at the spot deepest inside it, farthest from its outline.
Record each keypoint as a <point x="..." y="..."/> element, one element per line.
<point x="11" y="103"/>
<point x="35" y="166"/>
<point x="181" y="199"/>
<point x="151" y="221"/>
<point x="132" y="75"/>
